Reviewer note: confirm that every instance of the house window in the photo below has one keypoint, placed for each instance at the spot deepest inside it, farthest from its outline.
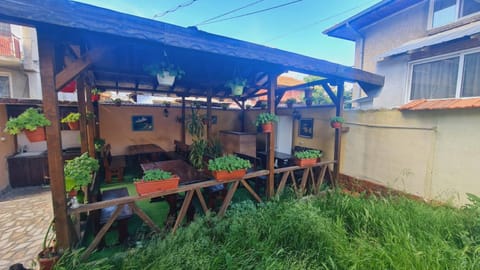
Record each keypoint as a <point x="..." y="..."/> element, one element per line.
<point x="4" y="85"/>
<point x="450" y="77"/>
<point x="448" y="11"/>
<point x="5" y="29"/>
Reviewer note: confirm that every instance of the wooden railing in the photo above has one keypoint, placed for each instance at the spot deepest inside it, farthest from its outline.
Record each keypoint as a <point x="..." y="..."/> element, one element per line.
<point x="312" y="178"/>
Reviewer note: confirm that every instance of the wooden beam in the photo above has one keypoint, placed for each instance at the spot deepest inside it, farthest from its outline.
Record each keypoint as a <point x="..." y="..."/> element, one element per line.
<point x="184" y="134"/>
<point x="76" y="67"/>
<point x="90" y="124"/>
<point x="54" y="141"/>
<point x="209" y="114"/>
<point x="338" y="133"/>
<point x="330" y="92"/>
<point x="271" y="137"/>
<point x="82" y="109"/>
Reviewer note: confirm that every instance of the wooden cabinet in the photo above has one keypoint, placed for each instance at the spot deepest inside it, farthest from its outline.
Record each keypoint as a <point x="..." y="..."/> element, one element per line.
<point x="239" y="142"/>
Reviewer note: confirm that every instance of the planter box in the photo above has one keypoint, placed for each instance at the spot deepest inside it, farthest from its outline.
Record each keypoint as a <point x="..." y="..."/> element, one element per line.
<point x="306" y="162"/>
<point x="156" y="185"/>
<point x="225" y="175"/>
<point x="38" y="135"/>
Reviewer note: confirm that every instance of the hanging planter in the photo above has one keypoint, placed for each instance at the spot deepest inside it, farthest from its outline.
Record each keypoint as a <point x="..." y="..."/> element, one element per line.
<point x="95" y="95"/>
<point x="266" y="121"/>
<point x="236" y="85"/>
<point x="166" y="74"/>
<point x="164" y="78"/>
<point x="70" y="87"/>
<point x="336" y="122"/>
<point x="31" y="122"/>
<point x="72" y="120"/>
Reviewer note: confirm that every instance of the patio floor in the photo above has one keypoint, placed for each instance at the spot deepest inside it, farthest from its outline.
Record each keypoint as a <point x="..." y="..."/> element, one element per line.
<point x="24" y="219"/>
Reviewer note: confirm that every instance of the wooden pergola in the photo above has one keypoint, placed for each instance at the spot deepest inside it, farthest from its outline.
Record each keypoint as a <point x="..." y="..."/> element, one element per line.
<point x="109" y="50"/>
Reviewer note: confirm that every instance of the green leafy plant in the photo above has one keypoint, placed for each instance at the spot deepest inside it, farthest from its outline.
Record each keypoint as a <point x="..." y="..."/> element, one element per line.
<point x="167" y="103"/>
<point x="30" y="119"/>
<point x="308" y="154"/>
<point x="95" y="91"/>
<point x="98" y="143"/>
<point x="49" y="245"/>
<point x="195" y="125"/>
<point x="237" y="86"/>
<point x="337" y="119"/>
<point x="197" y="150"/>
<point x="171" y="69"/>
<point x="156" y="174"/>
<point x="71" y="117"/>
<point x="90" y="115"/>
<point x="78" y="171"/>
<point x="266" y="117"/>
<point x="214" y="147"/>
<point x="228" y="163"/>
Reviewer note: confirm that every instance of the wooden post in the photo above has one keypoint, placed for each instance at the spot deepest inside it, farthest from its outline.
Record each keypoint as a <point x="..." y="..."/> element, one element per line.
<point x="243" y="116"/>
<point x="184" y="134"/>
<point x="54" y="141"/>
<point x="90" y="124"/>
<point x="271" y="138"/>
<point x="209" y="114"/>
<point x="338" y="133"/>
<point x="82" y="109"/>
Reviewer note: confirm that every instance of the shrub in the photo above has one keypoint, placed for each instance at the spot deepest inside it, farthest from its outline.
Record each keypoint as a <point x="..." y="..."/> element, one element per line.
<point x="228" y="163"/>
<point x="308" y="154"/>
<point x="30" y="119"/>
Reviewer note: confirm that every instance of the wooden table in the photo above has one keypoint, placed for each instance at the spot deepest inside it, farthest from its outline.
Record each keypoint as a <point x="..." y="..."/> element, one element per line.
<point x="282" y="159"/>
<point x="145" y="152"/>
<point x="123" y="216"/>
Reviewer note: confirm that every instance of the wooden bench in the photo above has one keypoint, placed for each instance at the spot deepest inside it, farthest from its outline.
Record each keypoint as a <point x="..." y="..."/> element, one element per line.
<point x="123" y="217"/>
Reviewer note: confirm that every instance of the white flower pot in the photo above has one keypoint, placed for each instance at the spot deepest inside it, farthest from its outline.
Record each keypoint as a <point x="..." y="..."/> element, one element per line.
<point x="165" y="78"/>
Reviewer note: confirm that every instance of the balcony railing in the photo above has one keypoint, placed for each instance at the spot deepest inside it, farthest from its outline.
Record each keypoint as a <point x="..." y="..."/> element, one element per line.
<point x="10" y="46"/>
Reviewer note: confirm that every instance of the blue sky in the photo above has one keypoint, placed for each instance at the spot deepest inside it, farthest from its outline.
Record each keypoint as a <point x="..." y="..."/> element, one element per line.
<point x="296" y="27"/>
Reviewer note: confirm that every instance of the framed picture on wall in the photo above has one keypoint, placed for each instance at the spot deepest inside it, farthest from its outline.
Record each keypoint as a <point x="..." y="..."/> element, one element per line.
<point x="142" y="123"/>
<point x="305" y="128"/>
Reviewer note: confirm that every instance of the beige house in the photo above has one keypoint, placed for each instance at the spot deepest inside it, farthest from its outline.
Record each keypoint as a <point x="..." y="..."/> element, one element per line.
<point x="416" y="133"/>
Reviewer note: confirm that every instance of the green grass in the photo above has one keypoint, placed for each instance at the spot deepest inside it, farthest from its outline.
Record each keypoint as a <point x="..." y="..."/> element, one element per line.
<point x="332" y="232"/>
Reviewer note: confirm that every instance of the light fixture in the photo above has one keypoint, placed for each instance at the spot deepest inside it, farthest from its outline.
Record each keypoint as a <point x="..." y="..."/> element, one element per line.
<point x="165" y="113"/>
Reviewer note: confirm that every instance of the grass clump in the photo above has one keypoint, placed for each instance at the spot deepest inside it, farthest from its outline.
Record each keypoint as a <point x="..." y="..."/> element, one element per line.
<point x="336" y="231"/>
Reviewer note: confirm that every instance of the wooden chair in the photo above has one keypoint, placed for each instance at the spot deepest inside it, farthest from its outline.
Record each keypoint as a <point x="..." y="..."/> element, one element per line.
<point x="114" y="166"/>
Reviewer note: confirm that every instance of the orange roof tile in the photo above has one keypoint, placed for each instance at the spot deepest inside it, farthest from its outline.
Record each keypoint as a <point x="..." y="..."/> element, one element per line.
<point x="288" y="81"/>
<point x="440" y="104"/>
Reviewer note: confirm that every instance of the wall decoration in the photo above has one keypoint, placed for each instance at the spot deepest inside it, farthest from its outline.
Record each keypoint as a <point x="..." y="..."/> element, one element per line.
<point x="142" y="123"/>
<point x="305" y="128"/>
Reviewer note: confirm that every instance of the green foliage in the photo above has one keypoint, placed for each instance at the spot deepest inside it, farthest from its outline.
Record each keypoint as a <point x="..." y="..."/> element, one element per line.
<point x="335" y="231"/>
<point x="236" y="82"/>
<point x="307" y="154"/>
<point x="78" y="171"/>
<point x="90" y="115"/>
<point x="171" y="69"/>
<point x="95" y="91"/>
<point x="214" y="147"/>
<point x="195" y="125"/>
<point x="228" y="163"/>
<point x="30" y="119"/>
<point x="265" y="117"/>
<point x="320" y="96"/>
<point x="98" y="143"/>
<point x="197" y="150"/>
<point x="337" y="119"/>
<point x="71" y="117"/>
<point x="117" y="101"/>
<point x="156" y="174"/>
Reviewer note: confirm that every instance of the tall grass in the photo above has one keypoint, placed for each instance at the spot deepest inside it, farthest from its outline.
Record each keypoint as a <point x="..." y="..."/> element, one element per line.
<point x="332" y="232"/>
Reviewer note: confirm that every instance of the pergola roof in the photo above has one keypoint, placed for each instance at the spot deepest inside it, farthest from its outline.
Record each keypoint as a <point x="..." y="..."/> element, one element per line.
<point x="130" y="43"/>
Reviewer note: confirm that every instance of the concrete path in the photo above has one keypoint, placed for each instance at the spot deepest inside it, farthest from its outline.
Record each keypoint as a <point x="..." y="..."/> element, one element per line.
<point x="25" y="214"/>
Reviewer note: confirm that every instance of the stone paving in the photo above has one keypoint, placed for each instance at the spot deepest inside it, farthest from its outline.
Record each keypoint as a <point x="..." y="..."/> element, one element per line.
<point x="25" y="214"/>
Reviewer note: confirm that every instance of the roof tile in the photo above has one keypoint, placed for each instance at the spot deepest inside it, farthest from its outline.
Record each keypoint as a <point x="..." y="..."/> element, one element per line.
<point x="440" y="104"/>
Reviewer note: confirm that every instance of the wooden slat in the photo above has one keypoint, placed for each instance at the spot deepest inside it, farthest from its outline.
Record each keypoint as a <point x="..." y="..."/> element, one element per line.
<point x="282" y="183"/>
<point x="271" y="137"/>
<point x="338" y="134"/>
<point x="228" y="198"/>
<point x="144" y="217"/>
<point x="82" y="109"/>
<point x="320" y="178"/>
<point x="202" y="200"/>
<point x="54" y="141"/>
<point x="183" y="209"/>
<point x="250" y="189"/>
<point x="102" y="232"/>
<point x="90" y="124"/>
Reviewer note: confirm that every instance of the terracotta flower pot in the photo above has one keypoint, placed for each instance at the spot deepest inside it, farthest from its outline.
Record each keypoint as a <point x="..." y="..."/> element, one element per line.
<point x="95" y="97"/>
<point x="47" y="262"/>
<point x="306" y="162"/>
<point x="145" y="187"/>
<point x="225" y="175"/>
<point x="267" y="128"/>
<point x="36" y="135"/>
<point x="73" y="125"/>
<point x="335" y="124"/>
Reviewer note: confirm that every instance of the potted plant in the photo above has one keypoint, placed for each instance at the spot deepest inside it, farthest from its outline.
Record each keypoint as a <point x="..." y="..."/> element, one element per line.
<point x="167" y="104"/>
<point x="266" y="120"/>
<point x="117" y="102"/>
<point x="336" y="121"/>
<point x="225" y="106"/>
<point x="197" y="151"/>
<point x="156" y="180"/>
<point x="49" y="254"/>
<point x="228" y="167"/>
<point x="72" y="120"/>
<point x="95" y="94"/>
<point x="90" y="116"/>
<point x="31" y="122"/>
<point x="248" y="106"/>
<point x="290" y="102"/>
<point x="307" y="157"/>
<point x="236" y="85"/>
<point x="79" y="173"/>
<point x="165" y="73"/>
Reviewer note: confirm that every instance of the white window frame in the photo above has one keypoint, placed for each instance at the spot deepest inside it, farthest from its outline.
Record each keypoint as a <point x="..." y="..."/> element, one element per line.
<point x="457" y="14"/>
<point x="6" y="74"/>
<point x="458" y="90"/>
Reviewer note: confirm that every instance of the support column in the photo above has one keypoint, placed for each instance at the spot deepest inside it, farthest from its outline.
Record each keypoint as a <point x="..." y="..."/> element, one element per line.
<point x="184" y="134"/>
<point x="54" y="141"/>
<point x="90" y="124"/>
<point x="271" y="137"/>
<point x="82" y="109"/>
<point x="243" y="116"/>
<point x="209" y="114"/>
<point x="338" y="132"/>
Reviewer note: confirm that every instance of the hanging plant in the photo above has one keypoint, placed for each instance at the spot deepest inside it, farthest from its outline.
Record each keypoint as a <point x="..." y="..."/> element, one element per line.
<point x="166" y="73"/>
<point x="237" y="85"/>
